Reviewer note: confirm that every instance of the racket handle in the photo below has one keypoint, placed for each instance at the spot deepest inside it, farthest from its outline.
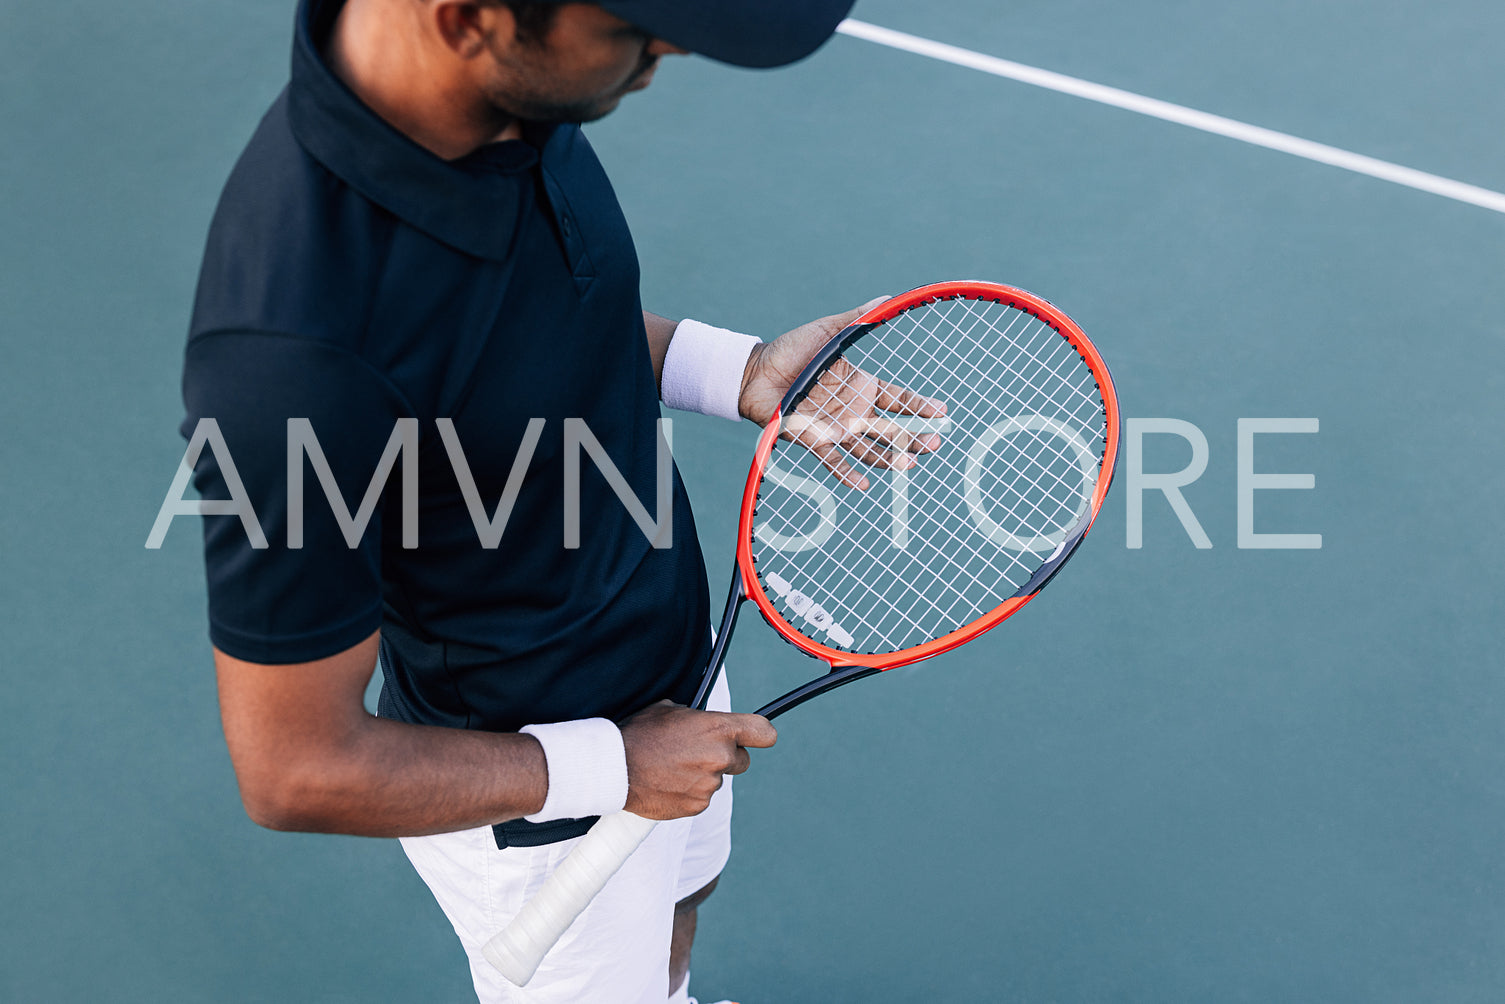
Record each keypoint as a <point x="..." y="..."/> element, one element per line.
<point x="517" y="951"/>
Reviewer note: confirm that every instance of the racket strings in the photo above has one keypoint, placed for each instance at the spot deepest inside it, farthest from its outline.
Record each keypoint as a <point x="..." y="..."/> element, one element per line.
<point x="1022" y="443"/>
<point x="901" y="584"/>
<point x="1062" y="355"/>
<point x="907" y="613"/>
<point x="1067" y="355"/>
<point x="828" y="570"/>
<point x="1022" y="567"/>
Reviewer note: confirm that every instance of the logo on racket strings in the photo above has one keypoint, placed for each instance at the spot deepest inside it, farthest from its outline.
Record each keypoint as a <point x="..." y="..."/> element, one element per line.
<point x="808" y="610"/>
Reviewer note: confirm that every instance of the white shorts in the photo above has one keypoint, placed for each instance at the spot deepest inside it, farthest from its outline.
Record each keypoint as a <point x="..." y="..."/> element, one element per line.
<point x="617" y="952"/>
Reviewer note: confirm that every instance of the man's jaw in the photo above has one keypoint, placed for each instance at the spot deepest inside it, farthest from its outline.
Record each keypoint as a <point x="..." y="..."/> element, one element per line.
<point x="643" y="76"/>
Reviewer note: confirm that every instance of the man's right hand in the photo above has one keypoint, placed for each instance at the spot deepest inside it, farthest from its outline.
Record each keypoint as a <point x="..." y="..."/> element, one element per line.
<point x="676" y="756"/>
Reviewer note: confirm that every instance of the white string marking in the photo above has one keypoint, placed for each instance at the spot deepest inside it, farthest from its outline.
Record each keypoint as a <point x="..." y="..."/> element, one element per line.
<point x="1180" y="114"/>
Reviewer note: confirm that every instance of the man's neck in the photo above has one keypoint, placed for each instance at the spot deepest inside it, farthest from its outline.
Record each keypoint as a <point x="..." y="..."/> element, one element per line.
<point x="380" y="49"/>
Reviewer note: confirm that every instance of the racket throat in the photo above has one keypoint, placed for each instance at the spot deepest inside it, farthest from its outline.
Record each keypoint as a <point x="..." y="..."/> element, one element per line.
<point x="734" y="600"/>
<point x="832" y="680"/>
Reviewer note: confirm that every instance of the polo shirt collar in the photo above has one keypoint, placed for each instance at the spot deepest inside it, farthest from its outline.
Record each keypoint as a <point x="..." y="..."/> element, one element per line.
<point x="471" y="204"/>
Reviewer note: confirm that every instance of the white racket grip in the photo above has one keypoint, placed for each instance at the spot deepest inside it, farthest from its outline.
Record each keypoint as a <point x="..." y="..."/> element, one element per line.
<point x="519" y="949"/>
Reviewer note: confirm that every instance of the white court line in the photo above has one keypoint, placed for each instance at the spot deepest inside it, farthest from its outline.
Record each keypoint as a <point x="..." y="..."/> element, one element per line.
<point x="1233" y="129"/>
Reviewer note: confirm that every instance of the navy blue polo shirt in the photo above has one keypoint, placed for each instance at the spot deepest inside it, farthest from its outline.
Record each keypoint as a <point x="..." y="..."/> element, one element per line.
<point x="352" y="278"/>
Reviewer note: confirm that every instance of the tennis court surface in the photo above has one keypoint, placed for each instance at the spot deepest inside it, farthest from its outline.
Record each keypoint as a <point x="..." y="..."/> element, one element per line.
<point x="1183" y="774"/>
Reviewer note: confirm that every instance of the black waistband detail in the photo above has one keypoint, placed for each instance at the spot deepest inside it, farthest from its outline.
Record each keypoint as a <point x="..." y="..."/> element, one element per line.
<point x="521" y="833"/>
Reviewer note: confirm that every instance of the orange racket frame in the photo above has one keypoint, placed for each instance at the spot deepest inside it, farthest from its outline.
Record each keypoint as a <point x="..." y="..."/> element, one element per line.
<point x="849" y="666"/>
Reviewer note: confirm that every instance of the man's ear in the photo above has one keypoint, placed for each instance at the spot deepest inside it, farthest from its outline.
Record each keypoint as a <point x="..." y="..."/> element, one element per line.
<point x="467" y="25"/>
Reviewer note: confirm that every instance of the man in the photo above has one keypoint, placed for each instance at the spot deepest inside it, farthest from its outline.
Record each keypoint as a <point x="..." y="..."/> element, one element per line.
<point x="418" y="256"/>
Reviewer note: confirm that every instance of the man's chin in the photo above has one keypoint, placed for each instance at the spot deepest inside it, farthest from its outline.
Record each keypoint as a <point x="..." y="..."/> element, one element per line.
<point x="577" y="114"/>
<point x="599" y="110"/>
<point x="643" y="79"/>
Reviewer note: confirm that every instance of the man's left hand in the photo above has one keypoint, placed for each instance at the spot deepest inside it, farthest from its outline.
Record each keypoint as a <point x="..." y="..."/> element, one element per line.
<point x="846" y="413"/>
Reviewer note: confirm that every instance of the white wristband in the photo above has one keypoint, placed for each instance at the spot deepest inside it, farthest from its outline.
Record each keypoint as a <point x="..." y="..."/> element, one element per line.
<point x="703" y="369"/>
<point x="587" y="769"/>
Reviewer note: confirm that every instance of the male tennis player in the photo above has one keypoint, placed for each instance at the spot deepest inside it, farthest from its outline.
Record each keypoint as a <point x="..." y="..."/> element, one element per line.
<point x="419" y="250"/>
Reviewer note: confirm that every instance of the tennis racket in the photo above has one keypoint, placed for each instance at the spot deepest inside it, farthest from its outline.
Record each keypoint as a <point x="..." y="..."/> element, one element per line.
<point x="991" y="425"/>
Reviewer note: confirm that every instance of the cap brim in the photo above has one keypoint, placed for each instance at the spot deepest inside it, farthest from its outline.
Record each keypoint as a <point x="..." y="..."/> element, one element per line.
<point x="752" y="33"/>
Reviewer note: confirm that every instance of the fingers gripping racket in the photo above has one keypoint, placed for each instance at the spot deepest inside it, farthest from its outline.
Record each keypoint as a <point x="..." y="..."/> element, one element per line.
<point x="992" y="426"/>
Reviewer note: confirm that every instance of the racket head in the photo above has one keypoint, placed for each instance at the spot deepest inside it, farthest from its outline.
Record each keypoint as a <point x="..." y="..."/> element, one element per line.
<point x="1028" y="451"/>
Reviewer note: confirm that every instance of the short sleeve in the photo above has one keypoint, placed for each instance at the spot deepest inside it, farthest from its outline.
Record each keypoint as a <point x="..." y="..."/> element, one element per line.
<point x="280" y="604"/>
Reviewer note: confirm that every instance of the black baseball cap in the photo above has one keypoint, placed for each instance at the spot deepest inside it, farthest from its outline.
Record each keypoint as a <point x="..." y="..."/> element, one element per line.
<point x="755" y="33"/>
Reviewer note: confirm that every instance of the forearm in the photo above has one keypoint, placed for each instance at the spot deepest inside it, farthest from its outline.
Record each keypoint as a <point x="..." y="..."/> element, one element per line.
<point x="392" y="779"/>
<point x="308" y="756"/>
